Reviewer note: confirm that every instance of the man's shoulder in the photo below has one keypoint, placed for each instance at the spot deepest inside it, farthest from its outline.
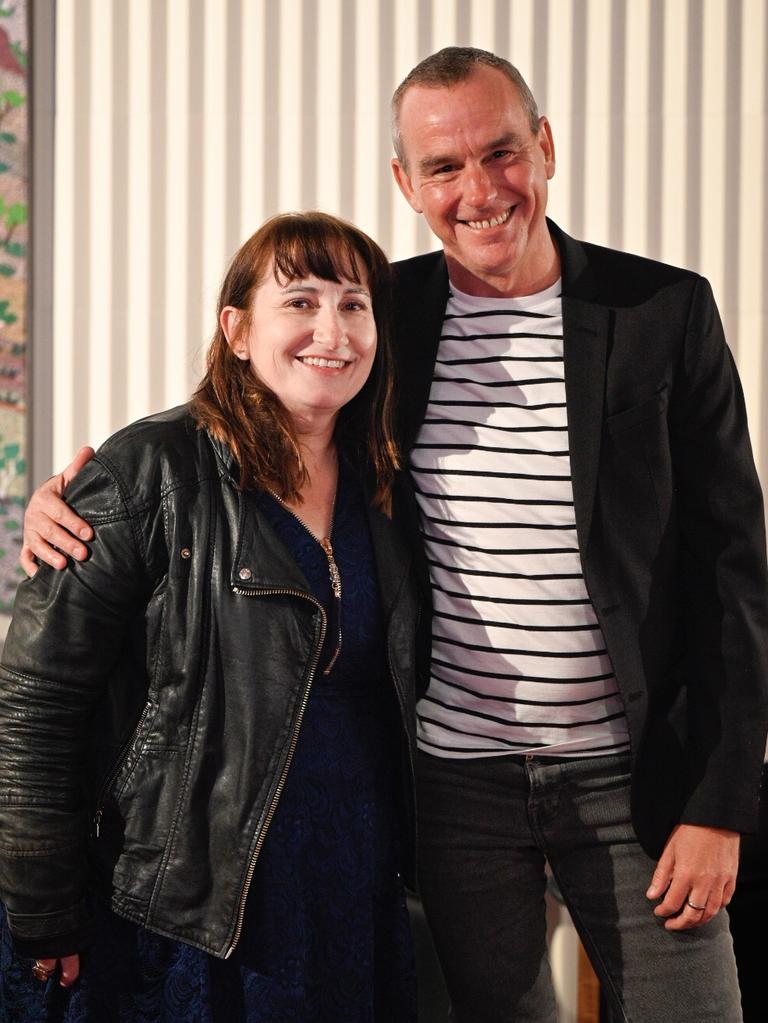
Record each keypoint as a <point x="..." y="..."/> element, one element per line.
<point x="616" y="275"/>
<point x="418" y="269"/>
<point x="426" y="262"/>
<point x="624" y="260"/>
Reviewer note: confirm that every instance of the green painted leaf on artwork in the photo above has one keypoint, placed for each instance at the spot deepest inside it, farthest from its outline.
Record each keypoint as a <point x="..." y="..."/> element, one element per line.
<point x="7" y="136"/>
<point x="15" y="248"/>
<point x="7" y="12"/>
<point x="6" y="270"/>
<point x="5" y="316"/>
<point x="4" y="167"/>
<point x="21" y="466"/>
<point x="19" y="54"/>
<point x="11" y="450"/>
<point x="10" y="524"/>
<point x="17" y="214"/>
<point x="12" y="98"/>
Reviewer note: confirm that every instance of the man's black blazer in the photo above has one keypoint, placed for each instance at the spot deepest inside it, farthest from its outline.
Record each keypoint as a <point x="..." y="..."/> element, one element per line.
<point x="669" y="518"/>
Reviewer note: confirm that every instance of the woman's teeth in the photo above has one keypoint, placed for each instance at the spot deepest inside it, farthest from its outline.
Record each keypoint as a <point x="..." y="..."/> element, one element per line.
<point x="312" y="360"/>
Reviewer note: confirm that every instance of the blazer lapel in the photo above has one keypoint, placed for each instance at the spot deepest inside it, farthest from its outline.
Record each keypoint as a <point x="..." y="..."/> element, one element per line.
<point x="421" y="294"/>
<point x="586" y="329"/>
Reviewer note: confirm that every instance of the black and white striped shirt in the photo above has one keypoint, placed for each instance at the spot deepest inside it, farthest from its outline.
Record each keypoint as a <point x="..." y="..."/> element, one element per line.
<point x="518" y="658"/>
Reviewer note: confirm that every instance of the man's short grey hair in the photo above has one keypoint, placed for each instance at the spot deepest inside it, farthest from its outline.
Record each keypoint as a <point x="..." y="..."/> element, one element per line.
<point x="448" y="67"/>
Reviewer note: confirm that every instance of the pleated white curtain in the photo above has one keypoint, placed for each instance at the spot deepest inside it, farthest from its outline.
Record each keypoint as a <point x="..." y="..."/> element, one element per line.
<point x="181" y="124"/>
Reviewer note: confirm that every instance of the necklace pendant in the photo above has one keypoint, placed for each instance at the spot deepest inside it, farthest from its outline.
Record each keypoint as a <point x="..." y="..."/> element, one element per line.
<point x="333" y="568"/>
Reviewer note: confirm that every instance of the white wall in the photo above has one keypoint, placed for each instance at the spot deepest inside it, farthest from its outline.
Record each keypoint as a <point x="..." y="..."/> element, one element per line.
<point x="181" y="124"/>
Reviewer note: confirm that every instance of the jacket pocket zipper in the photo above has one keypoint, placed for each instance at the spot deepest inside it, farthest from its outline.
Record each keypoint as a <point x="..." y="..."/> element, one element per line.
<point x="116" y="768"/>
<point x="262" y="834"/>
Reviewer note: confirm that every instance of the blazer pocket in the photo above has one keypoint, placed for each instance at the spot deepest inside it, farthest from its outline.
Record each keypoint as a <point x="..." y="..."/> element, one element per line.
<point x="651" y="408"/>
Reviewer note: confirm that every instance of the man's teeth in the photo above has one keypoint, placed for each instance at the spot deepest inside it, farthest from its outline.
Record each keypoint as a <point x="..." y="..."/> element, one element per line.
<point x="312" y="360"/>
<point x="494" y="222"/>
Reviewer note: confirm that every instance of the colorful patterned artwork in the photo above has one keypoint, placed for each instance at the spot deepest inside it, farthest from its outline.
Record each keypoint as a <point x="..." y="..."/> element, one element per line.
<point x="14" y="181"/>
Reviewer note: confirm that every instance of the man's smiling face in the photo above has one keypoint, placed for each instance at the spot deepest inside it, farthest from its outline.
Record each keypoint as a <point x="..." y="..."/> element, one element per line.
<point x="479" y="174"/>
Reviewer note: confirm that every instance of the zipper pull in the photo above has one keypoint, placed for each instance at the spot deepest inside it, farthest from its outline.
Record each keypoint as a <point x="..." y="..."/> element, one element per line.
<point x="333" y="568"/>
<point x="97" y="822"/>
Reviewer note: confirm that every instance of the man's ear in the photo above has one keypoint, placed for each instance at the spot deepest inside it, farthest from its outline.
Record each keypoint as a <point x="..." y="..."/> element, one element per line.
<point x="404" y="184"/>
<point x="547" y="144"/>
<point x="230" y="322"/>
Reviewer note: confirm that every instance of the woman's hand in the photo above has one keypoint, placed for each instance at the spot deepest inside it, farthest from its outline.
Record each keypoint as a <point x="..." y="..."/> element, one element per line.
<point x="49" y="522"/>
<point x="70" y="969"/>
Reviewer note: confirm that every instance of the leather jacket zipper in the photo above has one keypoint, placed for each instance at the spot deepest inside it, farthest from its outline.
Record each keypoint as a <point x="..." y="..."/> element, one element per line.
<point x="291" y="749"/>
<point x="116" y="768"/>
<point x="333" y="569"/>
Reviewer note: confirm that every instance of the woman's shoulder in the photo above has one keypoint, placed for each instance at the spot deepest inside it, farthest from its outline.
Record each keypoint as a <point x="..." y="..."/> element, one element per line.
<point x="151" y="457"/>
<point x="160" y="435"/>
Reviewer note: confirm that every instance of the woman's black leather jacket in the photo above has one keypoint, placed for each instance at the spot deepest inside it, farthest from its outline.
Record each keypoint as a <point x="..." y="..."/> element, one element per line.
<point x="151" y="696"/>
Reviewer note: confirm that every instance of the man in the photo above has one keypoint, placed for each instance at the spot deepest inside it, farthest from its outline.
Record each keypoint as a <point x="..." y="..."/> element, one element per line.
<point x="593" y="532"/>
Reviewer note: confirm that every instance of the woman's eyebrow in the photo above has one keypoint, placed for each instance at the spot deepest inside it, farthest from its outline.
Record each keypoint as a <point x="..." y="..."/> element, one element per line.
<point x="357" y="289"/>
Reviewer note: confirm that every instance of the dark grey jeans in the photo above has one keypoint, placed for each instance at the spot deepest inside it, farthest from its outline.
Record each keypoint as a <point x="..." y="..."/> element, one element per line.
<point x="486" y="829"/>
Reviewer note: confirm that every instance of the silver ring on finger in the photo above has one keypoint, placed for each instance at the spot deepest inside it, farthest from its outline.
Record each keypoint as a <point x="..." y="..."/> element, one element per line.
<point x="699" y="909"/>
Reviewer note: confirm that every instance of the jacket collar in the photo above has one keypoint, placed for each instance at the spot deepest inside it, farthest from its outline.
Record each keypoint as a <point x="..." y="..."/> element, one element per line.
<point x="261" y="561"/>
<point x="586" y="328"/>
<point x="422" y="294"/>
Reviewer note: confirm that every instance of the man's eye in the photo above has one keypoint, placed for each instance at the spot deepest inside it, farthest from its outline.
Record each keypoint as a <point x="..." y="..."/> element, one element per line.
<point x="447" y="168"/>
<point x="499" y="154"/>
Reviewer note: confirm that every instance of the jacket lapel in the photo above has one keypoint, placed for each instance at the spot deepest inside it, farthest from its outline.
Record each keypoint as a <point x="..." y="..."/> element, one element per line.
<point x="392" y="556"/>
<point x="421" y="295"/>
<point x="586" y="328"/>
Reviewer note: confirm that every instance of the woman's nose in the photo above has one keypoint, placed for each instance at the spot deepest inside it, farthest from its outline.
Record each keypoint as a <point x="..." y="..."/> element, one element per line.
<point x="329" y="330"/>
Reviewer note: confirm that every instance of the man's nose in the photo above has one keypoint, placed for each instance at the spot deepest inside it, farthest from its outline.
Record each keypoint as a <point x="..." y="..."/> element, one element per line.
<point x="479" y="186"/>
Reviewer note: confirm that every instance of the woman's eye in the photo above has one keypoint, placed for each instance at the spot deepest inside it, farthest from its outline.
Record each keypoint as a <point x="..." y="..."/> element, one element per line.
<point x="298" y="303"/>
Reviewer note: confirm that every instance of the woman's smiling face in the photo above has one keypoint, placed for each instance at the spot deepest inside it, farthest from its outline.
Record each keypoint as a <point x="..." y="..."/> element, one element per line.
<point x="311" y="341"/>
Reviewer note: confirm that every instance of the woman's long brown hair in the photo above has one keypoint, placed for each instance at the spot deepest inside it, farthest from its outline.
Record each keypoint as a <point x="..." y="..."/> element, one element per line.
<point x="240" y="410"/>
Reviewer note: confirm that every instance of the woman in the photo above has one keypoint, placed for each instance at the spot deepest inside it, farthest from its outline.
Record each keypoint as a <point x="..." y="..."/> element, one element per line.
<point x="205" y="728"/>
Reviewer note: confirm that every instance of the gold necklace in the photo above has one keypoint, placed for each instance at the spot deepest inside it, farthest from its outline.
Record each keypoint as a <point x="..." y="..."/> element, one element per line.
<point x="333" y="569"/>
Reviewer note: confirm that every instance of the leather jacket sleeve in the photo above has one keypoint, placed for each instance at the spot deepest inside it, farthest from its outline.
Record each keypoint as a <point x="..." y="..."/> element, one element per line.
<point x="67" y="632"/>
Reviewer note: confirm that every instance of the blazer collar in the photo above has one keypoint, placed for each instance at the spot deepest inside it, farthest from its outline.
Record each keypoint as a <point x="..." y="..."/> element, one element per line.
<point x="422" y="294"/>
<point x="586" y="328"/>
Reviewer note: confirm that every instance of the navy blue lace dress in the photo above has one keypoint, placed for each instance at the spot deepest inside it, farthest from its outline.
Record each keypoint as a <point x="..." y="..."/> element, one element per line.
<point x="326" y="937"/>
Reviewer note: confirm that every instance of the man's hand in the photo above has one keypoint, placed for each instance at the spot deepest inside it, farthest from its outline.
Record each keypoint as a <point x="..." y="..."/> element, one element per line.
<point x="70" y="965"/>
<point x="696" y="875"/>
<point x="49" y="522"/>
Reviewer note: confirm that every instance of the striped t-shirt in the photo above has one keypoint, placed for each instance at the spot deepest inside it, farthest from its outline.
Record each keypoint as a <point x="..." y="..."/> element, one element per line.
<point x="519" y="663"/>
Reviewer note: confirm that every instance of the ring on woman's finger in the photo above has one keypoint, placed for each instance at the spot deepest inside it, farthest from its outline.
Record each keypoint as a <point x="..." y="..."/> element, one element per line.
<point x="699" y="909"/>
<point x="42" y="972"/>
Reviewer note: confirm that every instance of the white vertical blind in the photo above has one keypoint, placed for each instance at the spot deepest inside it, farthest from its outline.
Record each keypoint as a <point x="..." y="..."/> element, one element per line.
<point x="182" y="124"/>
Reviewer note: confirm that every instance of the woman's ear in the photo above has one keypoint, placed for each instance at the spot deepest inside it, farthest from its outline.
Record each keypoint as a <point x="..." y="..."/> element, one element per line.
<point x="230" y="322"/>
